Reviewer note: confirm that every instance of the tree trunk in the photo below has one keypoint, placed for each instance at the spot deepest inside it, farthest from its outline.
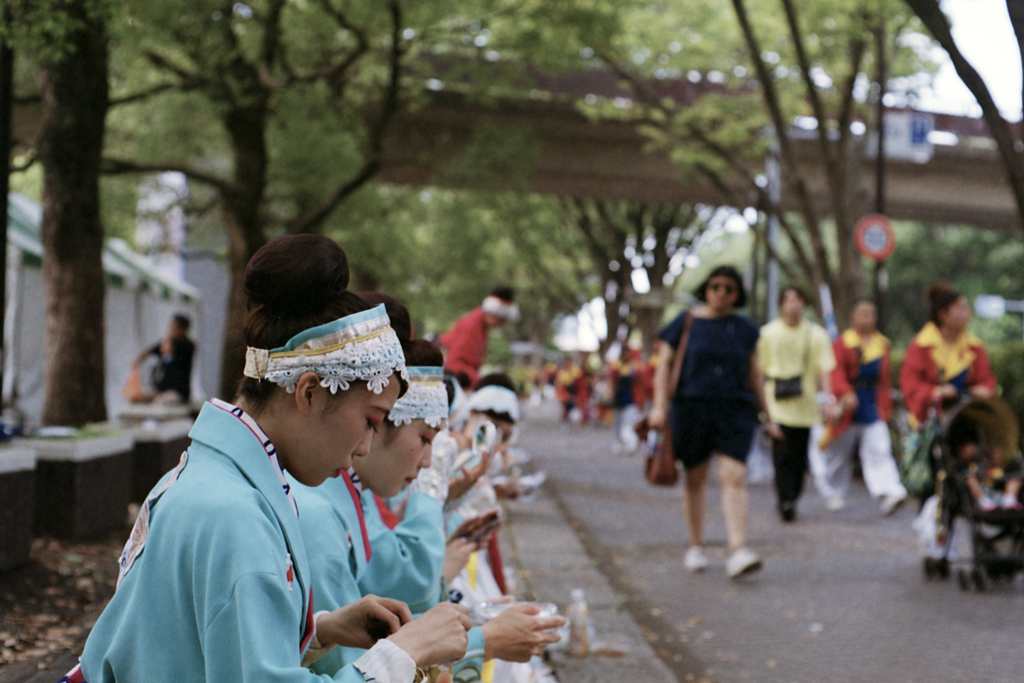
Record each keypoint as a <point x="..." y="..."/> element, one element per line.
<point x="848" y="285"/>
<point x="75" y="99"/>
<point x="612" y="307"/>
<point x="233" y="356"/>
<point x="244" y="226"/>
<point x="648" y="317"/>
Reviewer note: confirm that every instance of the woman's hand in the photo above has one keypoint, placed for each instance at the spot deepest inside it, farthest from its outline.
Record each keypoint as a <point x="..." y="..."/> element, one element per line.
<point x="517" y="634"/>
<point x="437" y="636"/>
<point x="847" y="404"/>
<point x="471" y="526"/>
<point x="361" y="623"/>
<point x="460" y="486"/>
<point x="980" y="391"/>
<point x="509" y="491"/>
<point x="773" y="430"/>
<point x="944" y="391"/>
<point x="456" y="555"/>
<point x="656" y="418"/>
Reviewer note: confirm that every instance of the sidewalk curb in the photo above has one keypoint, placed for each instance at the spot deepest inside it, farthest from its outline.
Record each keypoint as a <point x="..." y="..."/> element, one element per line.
<point x="550" y="559"/>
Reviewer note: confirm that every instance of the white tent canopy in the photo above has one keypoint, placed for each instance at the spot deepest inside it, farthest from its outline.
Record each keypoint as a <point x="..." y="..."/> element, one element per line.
<point x="139" y="303"/>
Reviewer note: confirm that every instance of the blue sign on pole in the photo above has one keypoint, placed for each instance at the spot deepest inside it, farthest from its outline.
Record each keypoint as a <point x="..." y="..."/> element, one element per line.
<point x="920" y="126"/>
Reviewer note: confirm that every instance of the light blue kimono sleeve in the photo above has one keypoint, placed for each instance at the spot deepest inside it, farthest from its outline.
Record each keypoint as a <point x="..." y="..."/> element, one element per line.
<point x="242" y="643"/>
<point x="332" y="561"/>
<point x="470" y="667"/>
<point x="407" y="561"/>
<point x="334" y="586"/>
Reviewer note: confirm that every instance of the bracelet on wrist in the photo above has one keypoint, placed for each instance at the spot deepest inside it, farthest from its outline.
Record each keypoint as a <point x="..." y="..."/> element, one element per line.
<point x="825" y="399"/>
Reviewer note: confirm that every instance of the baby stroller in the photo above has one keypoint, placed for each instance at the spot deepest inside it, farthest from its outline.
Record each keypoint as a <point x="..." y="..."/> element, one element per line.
<point x="988" y="427"/>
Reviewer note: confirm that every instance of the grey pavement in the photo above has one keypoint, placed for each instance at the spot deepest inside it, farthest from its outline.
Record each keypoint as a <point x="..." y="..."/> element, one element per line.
<point x="842" y="596"/>
<point x="841" y="599"/>
<point x="550" y="561"/>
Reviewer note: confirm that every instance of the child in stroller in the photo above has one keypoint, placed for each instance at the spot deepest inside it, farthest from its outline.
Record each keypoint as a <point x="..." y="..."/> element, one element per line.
<point x="982" y="438"/>
<point x="979" y="482"/>
<point x="985" y="474"/>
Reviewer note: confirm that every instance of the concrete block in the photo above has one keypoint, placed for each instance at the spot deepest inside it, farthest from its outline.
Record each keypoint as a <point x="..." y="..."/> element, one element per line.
<point x="17" y="493"/>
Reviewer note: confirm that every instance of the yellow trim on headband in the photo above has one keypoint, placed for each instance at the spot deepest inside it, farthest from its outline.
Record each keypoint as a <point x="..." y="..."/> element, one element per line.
<point x="327" y="349"/>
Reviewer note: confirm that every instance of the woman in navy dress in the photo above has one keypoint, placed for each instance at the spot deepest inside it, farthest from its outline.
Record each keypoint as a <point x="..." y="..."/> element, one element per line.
<point x="713" y="410"/>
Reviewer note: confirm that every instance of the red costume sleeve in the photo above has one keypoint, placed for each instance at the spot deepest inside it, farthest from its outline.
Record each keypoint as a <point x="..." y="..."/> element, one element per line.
<point x="844" y="374"/>
<point x="918" y="377"/>
<point x="883" y="395"/>
<point x="844" y="377"/>
<point x="643" y="385"/>
<point x="466" y="344"/>
<point x="981" y="371"/>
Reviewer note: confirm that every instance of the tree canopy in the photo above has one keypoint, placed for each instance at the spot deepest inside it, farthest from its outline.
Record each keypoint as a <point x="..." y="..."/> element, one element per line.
<point x="276" y="111"/>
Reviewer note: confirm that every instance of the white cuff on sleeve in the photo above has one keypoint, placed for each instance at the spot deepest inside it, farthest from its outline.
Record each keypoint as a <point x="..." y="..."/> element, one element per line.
<point x="315" y="650"/>
<point x="385" y="662"/>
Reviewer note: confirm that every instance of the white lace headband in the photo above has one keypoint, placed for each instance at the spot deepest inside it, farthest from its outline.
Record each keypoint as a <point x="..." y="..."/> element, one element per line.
<point x="506" y="310"/>
<point x="358" y="347"/>
<point x="459" y="404"/>
<point x="496" y="399"/>
<point x="426" y="399"/>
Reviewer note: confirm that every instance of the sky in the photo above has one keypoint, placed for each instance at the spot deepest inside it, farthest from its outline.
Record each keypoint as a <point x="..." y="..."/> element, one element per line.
<point x="982" y="30"/>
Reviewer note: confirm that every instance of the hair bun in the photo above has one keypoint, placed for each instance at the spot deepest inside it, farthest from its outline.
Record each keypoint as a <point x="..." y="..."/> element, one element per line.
<point x="940" y="295"/>
<point x="296" y="275"/>
<point x="941" y="290"/>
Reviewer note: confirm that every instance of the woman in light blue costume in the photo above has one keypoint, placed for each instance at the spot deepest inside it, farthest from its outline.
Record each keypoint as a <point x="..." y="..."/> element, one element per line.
<point x="498" y="405"/>
<point x="405" y="562"/>
<point x="417" y="543"/>
<point x="214" y="581"/>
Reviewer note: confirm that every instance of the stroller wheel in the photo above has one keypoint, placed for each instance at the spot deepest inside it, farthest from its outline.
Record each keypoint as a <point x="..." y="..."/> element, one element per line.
<point x="942" y="568"/>
<point x="936" y="568"/>
<point x="982" y="582"/>
<point x="964" y="577"/>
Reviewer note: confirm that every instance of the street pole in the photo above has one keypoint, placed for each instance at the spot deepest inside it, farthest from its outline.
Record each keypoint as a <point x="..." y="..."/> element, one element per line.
<point x="880" y="278"/>
<point x="6" y="94"/>
<point x="774" y="175"/>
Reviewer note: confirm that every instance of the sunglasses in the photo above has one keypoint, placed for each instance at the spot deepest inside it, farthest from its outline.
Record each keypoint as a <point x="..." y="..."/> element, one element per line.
<point x="729" y="289"/>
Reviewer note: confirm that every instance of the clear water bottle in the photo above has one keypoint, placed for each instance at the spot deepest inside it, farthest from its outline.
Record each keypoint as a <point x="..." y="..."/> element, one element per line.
<point x="578" y="616"/>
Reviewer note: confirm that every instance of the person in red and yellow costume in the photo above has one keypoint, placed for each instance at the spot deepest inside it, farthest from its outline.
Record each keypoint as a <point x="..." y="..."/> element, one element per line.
<point x="944" y="362"/>
<point x="465" y="344"/>
<point x="567" y="381"/>
<point x="859" y="417"/>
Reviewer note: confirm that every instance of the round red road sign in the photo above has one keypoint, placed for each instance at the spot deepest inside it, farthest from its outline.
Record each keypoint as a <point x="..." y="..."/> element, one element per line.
<point x="874" y="237"/>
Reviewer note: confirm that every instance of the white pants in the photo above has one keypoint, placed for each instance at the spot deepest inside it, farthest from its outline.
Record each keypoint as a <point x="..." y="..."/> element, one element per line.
<point x="832" y="476"/>
<point x="625" y="418"/>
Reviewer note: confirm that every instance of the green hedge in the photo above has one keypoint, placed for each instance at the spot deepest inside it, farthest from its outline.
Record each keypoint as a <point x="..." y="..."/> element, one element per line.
<point x="1008" y="367"/>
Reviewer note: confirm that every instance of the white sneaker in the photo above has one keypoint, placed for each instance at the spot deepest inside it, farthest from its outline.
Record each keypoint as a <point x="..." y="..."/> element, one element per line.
<point x="835" y="503"/>
<point x="695" y="560"/>
<point x="891" y="503"/>
<point x="743" y="561"/>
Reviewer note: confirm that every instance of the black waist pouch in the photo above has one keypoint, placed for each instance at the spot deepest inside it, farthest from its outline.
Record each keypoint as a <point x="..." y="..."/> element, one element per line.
<point x="788" y="387"/>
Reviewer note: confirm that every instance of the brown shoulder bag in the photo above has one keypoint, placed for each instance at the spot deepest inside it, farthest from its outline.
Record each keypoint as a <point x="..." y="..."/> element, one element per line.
<point x="660" y="466"/>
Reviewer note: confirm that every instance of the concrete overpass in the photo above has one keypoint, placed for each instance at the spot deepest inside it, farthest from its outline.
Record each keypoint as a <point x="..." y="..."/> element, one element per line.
<point x="574" y="156"/>
<point x="570" y="155"/>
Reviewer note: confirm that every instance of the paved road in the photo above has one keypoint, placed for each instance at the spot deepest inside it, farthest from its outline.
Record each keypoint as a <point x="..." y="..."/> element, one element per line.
<point x="841" y="598"/>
